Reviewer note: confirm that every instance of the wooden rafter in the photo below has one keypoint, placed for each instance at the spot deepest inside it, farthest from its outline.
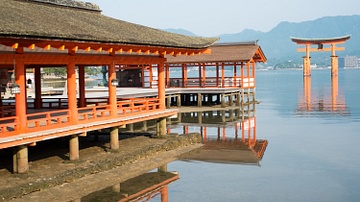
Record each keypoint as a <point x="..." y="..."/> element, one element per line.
<point x="51" y="45"/>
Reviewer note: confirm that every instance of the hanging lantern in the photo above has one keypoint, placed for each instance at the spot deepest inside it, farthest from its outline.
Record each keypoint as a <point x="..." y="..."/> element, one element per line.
<point x="14" y="88"/>
<point x="114" y="82"/>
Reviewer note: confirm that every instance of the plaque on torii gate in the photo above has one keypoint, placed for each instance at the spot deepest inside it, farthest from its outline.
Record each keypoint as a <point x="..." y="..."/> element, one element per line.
<point x="323" y="44"/>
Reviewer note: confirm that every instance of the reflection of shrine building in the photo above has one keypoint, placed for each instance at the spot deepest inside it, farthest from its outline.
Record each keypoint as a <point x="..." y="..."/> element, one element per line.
<point x="229" y="135"/>
<point x="330" y="102"/>
<point x="141" y="188"/>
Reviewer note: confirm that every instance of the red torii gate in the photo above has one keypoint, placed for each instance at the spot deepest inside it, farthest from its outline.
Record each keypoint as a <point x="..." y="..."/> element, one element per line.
<point x="320" y="42"/>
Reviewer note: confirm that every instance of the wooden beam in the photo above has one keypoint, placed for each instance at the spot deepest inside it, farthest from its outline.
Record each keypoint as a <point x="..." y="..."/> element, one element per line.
<point x="328" y="49"/>
<point x="63" y="44"/>
<point x="15" y="45"/>
<point x="90" y="59"/>
<point x="206" y="51"/>
<point x="62" y="47"/>
<point x="47" y="47"/>
<point x="32" y="46"/>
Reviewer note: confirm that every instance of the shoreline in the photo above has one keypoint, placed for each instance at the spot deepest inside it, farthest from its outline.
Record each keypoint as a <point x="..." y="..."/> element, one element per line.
<point x="95" y="171"/>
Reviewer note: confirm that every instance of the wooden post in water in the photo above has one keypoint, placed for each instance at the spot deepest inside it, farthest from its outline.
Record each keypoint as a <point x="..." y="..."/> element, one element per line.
<point x="161" y="127"/>
<point x="74" y="147"/>
<point x="223" y="103"/>
<point x="199" y="100"/>
<point x="163" y="168"/>
<point x="178" y="104"/>
<point x="145" y="128"/>
<point x="20" y="159"/>
<point x="231" y="99"/>
<point x="114" y="138"/>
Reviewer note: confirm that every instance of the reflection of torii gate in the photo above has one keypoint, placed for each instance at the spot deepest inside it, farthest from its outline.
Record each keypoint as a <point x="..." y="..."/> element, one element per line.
<point x="320" y="42"/>
<point x="333" y="104"/>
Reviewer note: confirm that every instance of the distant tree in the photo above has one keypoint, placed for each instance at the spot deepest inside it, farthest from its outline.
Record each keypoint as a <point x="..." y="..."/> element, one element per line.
<point x="92" y="70"/>
<point x="61" y="71"/>
<point x="56" y="71"/>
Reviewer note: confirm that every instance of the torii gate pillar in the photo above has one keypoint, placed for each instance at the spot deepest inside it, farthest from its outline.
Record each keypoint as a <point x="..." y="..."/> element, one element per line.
<point x="334" y="61"/>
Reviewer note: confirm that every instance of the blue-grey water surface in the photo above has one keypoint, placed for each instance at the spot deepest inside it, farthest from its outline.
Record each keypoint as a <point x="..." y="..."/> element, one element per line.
<point x="313" y="130"/>
<point x="312" y="155"/>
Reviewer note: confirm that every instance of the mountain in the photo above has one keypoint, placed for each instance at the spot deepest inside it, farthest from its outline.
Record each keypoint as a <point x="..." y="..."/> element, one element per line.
<point x="180" y="31"/>
<point x="278" y="46"/>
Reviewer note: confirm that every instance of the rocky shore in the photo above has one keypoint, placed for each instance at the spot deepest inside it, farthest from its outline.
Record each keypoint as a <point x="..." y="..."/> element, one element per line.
<point x="56" y="179"/>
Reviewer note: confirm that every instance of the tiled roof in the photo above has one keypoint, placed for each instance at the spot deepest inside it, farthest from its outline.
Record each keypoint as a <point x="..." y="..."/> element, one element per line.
<point x="79" y="21"/>
<point x="229" y="52"/>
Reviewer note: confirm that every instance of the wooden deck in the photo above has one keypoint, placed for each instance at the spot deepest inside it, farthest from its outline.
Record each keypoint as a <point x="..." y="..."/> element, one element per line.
<point x="53" y="121"/>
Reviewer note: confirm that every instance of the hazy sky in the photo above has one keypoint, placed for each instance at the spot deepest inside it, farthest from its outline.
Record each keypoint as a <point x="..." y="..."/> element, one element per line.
<point x="214" y="17"/>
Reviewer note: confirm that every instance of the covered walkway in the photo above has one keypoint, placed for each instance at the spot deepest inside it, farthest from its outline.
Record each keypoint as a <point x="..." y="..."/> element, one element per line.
<point x="74" y="35"/>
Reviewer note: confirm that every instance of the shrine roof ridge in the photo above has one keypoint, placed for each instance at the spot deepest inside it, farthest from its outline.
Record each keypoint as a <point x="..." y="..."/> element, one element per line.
<point x="72" y="4"/>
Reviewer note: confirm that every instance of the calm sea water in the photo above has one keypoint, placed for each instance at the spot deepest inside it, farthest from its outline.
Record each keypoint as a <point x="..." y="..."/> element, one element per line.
<point x="313" y="133"/>
<point x="312" y="155"/>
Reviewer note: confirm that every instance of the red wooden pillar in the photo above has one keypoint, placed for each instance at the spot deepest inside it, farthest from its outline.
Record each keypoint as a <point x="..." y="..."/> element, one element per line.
<point x="254" y="129"/>
<point x="248" y="64"/>
<point x="82" y="100"/>
<point x="112" y="89"/>
<point x="20" y="99"/>
<point x="184" y="75"/>
<point x="167" y="75"/>
<point x="164" y="194"/>
<point x="203" y="75"/>
<point x="161" y="123"/>
<point x="306" y="61"/>
<point x="217" y="74"/>
<point x="205" y="133"/>
<point x="150" y="76"/>
<point x="242" y="74"/>
<point x="334" y="92"/>
<point x="253" y="73"/>
<point x="186" y="129"/>
<point x="222" y="75"/>
<point x="161" y="85"/>
<point x="71" y="90"/>
<point x="223" y="134"/>
<point x="142" y="75"/>
<point x="37" y="78"/>
<point x="235" y="76"/>
<point x="200" y="74"/>
<point x="334" y="61"/>
<point x="243" y="131"/>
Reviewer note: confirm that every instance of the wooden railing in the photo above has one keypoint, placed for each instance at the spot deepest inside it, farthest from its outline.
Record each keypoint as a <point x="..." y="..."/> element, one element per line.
<point x="47" y="120"/>
<point x="213" y="82"/>
<point x="7" y="110"/>
<point x="9" y="126"/>
<point x="52" y="119"/>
